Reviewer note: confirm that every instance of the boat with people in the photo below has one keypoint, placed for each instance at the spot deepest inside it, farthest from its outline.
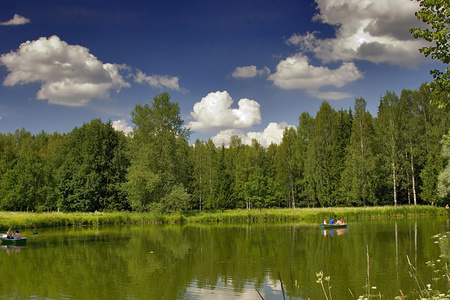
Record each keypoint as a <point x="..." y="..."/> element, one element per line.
<point x="333" y="226"/>
<point x="15" y="242"/>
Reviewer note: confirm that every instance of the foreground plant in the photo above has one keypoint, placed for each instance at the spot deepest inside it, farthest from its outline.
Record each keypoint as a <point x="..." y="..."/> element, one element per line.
<point x="320" y="280"/>
<point x="441" y="272"/>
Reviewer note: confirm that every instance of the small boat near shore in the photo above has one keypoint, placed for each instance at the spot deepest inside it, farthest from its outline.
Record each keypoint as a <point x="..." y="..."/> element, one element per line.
<point x="333" y="226"/>
<point x="14" y="242"/>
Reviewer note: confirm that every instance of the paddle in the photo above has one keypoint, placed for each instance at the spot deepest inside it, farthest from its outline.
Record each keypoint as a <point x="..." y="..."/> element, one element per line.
<point x="34" y="233"/>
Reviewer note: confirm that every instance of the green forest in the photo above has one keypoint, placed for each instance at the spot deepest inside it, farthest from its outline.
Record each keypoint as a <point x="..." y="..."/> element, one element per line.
<point x="336" y="158"/>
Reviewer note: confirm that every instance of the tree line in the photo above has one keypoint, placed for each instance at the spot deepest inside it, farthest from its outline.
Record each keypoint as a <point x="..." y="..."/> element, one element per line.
<point x="337" y="158"/>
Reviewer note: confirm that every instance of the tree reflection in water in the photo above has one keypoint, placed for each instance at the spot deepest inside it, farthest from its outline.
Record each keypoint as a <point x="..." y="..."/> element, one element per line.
<point x="231" y="261"/>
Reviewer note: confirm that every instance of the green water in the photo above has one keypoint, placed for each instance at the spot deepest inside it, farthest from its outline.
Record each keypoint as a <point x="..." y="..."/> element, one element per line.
<point x="220" y="261"/>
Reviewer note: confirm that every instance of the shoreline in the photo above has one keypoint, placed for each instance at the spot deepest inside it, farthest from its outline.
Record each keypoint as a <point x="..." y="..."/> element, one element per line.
<point x="23" y="220"/>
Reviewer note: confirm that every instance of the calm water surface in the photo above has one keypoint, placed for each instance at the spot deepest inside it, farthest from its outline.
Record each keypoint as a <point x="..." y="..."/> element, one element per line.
<point x="220" y="261"/>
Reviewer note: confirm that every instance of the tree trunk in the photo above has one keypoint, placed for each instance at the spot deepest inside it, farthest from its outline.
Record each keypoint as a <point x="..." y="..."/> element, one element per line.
<point x="394" y="175"/>
<point x="201" y="192"/>
<point x="413" y="178"/>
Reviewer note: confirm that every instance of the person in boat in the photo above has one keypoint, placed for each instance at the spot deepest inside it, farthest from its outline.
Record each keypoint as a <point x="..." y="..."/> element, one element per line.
<point x="325" y="221"/>
<point x="9" y="234"/>
<point x="331" y="222"/>
<point x="338" y="222"/>
<point x="17" y="236"/>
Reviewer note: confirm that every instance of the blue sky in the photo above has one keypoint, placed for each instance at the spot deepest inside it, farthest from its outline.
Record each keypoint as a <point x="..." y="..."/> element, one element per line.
<point x="247" y="67"/>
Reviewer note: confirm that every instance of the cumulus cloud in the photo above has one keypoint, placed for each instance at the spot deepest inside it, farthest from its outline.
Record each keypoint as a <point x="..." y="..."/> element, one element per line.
<point x="224" y="137"/>
<point x="158" y="81"/>
<point x="273" y="133"/>
<point x="214" y="111"/>
<point x="295" y="72"/>
<point x="250" y="72"/>
<point x="122" y="125"/>
<point x="16" y="20"/>
<point x="372" y="30"/>
<point x="369" y="30"/>
<point x="69" y="74"/>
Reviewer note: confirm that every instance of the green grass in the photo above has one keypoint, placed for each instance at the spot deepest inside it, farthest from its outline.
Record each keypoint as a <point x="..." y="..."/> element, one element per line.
<point x="315" y="214"/>
<point x="21" y="220"/>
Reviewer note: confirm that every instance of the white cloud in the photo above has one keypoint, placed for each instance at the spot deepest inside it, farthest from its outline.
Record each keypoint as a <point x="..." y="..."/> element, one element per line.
<point x="122" y="125"/>
<point x="250" y="72"/>
<point x="158" y="81"/>
<point x="214" y="111"/>
<point x="16" y="20"/>
<point x="224" y="137"/>
<point x="273" y="133"/>
<point x="70" y="75"/>
<point x="372" y="30"/>
<point x="295" y="72"/>
<point x="367" y="30"/>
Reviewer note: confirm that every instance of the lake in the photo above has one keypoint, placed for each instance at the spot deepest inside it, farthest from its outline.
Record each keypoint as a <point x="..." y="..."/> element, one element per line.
<point x="222" y="261"/>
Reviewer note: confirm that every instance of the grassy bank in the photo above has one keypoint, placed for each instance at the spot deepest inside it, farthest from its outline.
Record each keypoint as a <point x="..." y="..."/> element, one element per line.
<point x="316" y="214"/>
<point x="18" y="220"/>
<point x="21" y="220"/>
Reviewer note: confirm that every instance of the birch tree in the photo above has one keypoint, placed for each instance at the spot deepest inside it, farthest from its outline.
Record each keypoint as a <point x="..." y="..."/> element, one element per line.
<point x="390" y="126"/>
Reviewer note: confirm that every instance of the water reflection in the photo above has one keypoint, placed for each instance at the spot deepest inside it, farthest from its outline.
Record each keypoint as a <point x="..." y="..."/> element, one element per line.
<point x="225" y="290"/>
<point x="332" y="232"/>
<point x="218" y="261"/>
<point x="11" y="249"/>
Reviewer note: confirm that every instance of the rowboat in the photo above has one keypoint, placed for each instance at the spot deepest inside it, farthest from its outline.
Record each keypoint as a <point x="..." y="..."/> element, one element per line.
<point x="15" y="242"/>
<point x="334" y="226"/>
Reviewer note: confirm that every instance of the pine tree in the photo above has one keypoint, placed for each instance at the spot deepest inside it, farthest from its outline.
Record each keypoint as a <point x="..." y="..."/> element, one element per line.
<point x="288" y="172"/>
<point x="304" y="131"/>
<point x="323" y="163"/>
<point x="359" y="177"/>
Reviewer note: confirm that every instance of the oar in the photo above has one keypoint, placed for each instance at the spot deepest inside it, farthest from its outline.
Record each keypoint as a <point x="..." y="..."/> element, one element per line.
<point x="34" y="233"/>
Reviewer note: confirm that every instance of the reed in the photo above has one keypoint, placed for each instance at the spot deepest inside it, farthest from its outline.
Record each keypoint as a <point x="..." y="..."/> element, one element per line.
<point x="441" y="272"/>
<point x="316" y="214"/>
<point x="20" y="220"/>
